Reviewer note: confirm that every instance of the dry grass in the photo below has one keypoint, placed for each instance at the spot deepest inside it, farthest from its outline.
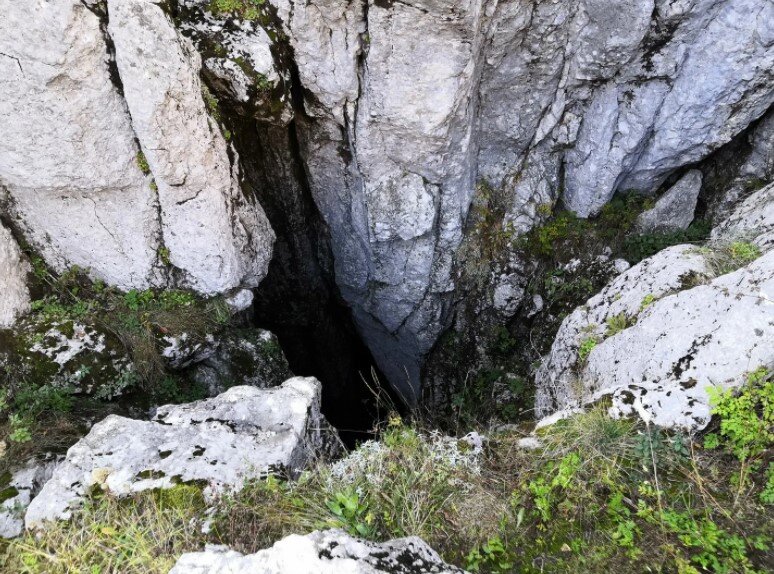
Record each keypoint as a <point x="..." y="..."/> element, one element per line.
<point x="141" y="535"/>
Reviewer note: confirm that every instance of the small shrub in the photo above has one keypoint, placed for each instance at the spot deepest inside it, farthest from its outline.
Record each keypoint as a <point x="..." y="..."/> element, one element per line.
<point x="746" y="416"/>
<point x="245" y="9"/>
<point x="728" y="257"/>
<point x="565" y="226"/>
<point x="637" y="247"/>
<point x="20" y="431"/>
<point x="616" y="324"/>
<point x="142" y="163"/>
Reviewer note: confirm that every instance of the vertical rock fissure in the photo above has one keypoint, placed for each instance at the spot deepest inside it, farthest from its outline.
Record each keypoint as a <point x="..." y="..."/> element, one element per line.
<point x="299" y="300"/>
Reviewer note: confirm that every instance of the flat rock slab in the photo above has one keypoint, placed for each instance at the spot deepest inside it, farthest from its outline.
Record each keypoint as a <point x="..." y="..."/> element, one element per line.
<point x="674" y="210"/>
<point x="321" y="552"/>
<point x="220" y="442"/>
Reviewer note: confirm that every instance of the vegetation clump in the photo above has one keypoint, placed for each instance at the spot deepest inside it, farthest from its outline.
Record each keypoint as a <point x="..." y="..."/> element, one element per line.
<point x="127" y="330"/>
<point x="244" y="9"/>
<point x="598" y="495"/>
<point x="142" y="163"/>
<point x="727" y="257"/>
<point x="142" y="534"/>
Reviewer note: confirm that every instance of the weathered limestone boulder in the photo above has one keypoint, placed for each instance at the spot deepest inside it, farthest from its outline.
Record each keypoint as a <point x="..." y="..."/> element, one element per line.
<point x="711" y="335"/>
<point x="68" y="151"/>
<point x="17" y="489"/>
<point x="223" y="441"/>
<point x="217" y="237"/>
<point x="674" y="210"/>
<point x="663" y="332"/>
<point x="753" y="219"/>
<point x="321" y="552"/>
<point x="75" y="357"/>
<point x="243" y="357"/>
<point x="629" y="294"/>
<point x="15" y="300"/>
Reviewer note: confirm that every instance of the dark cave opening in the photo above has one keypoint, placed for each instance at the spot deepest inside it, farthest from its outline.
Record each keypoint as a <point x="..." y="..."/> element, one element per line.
<point x="298" y="300"/>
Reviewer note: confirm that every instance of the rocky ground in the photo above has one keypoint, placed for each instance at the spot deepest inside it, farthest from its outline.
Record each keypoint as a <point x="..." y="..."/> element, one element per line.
<point x="521" y="253"/>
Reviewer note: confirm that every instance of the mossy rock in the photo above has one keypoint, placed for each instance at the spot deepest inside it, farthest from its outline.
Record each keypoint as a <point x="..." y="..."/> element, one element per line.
<point x="71" y="355"/>
<point x="243" y="357"/>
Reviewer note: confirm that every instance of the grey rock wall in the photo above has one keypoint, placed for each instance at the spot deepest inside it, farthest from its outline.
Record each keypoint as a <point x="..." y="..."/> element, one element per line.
<point x="15" y="299"/>
<point x="72" y="118"/>
<point x="399" y="109"/>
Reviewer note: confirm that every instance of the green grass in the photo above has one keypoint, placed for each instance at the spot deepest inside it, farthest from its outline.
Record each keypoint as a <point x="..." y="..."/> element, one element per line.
<point x="599" y="496"/>
<point x="726" y="257"/>
<point x="143" y="534"/>
<point x="245" y="9"/>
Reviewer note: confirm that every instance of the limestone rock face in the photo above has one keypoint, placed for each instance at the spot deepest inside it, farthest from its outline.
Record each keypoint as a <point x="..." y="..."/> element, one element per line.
<point x="222" y="441"/>
<point x="69" y="159"/>
<point x="393" y="111"/>
<point x="13" y="280"/>
<point x="321" y="552"/>
<point x="694" y="57"/>
<point x="68" y="152"/>
<point x="661" y="333"/>
<point x="673" y="210"/>
<point x="218" y="238"/>
<point x="534" y="97"/>
<point x="753" y="219"/>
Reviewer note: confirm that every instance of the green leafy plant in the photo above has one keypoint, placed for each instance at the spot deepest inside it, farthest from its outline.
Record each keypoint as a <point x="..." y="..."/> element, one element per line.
<point x="767" y="494"/>
<point x="492" y="556"/>
<point x="637" y="247"/>
<point x="587" y="345"/>
<point x="351" y="513"/>
<point x="20" y="431"/>
<point x="746" y="416"/>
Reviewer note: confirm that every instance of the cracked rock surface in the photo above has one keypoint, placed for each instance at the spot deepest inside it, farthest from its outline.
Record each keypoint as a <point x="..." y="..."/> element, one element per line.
<point x="398" y="109"/>
<point x="322" y="552"/>
<point x="221" y="442"/>
<point x="665" y="331"/>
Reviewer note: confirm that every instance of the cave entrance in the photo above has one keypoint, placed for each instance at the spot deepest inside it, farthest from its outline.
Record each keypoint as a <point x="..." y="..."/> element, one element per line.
<point x="299" y="300"/>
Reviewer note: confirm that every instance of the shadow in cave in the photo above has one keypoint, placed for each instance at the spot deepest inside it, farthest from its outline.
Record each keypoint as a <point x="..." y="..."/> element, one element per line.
<point x="298" y="300"/>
